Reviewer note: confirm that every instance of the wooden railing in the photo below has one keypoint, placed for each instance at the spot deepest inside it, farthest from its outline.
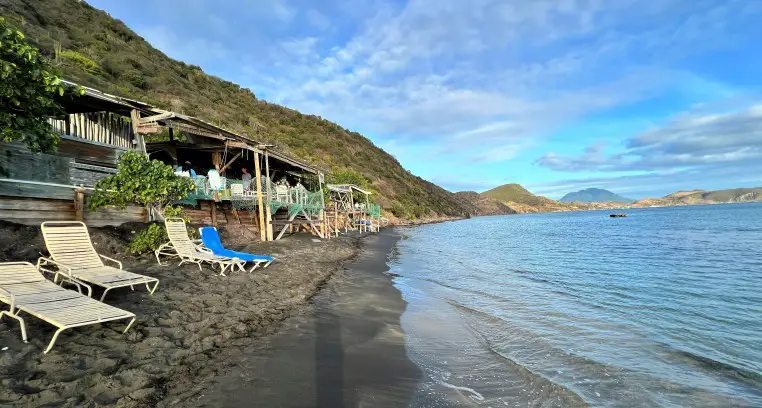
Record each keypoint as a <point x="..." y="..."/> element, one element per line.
<point x="102" y="127"/>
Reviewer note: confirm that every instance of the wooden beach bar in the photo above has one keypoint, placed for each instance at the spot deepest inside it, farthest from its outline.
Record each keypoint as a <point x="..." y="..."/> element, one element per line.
<point x="275" y="195"/>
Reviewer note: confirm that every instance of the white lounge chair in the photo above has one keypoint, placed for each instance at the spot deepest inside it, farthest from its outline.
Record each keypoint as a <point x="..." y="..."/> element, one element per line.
<point x="71" y="250"/>
<point x="24" y="288"/>
<point x="180" y="245"/>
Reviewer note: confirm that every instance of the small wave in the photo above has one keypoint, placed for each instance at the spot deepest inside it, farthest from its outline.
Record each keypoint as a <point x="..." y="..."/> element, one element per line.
<point x="475" y="395"/>
<point x="726" y="370"/>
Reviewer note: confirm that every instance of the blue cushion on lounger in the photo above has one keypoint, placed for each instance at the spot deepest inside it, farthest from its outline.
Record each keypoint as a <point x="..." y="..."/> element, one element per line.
<point x="211" y="239"/>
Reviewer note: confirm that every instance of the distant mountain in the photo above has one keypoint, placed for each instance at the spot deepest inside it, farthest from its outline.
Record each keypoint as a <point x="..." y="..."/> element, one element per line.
<point x="594" y="195"/>
<point x="736" y="195"/>
<point x="479" y="205"/>
<point x="522" y="201"/>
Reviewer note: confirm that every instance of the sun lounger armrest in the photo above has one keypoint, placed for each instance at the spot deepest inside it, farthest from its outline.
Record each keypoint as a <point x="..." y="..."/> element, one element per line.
<point x="11" y="298"/>
<point x="61" y="267"/>
<point x="112" y="260"/>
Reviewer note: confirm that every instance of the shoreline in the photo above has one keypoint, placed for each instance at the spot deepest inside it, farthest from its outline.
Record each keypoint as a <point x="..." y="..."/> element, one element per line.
<point x="348" y="349"/>
<point x="193" y="328"/>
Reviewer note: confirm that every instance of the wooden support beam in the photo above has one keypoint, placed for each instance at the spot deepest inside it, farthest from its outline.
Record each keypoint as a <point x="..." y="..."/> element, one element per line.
<point x="213" y="210"/>
<point x="225" y="167"/>
<point x="79" y="204"/>
<point x="135" y="119"/>
<point x="217" y="160"/>
<point x="260" y="208"/>
<point x="154" y="118"/>
<point x="268" y="224"/>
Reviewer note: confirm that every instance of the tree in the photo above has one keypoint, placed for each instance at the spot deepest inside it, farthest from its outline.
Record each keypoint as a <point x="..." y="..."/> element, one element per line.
<point x="140" y="180"/>
<point x="27" y="88"/>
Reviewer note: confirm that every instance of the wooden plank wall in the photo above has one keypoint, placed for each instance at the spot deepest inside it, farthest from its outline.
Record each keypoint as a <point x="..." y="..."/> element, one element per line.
<point x="102" y="127"/>
<point x="76" y="162"/>
<point x="34" y="211"/>
<point x="88" y="152"/>
<point x="87" y="175"/>
<point x="17" y="162"/>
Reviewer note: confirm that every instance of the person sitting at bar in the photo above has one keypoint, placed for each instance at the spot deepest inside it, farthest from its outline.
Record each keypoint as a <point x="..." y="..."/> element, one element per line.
<point x="246" y="177"/>
<point x="187" y="166"/>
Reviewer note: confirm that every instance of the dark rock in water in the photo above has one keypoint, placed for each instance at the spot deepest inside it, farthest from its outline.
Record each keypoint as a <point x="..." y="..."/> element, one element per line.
<point x="617" y="215"/>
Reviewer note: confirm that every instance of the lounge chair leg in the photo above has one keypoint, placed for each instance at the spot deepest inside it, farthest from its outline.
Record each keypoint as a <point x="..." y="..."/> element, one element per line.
<point x="104" y="293"/>
<point x="129" y="325"/>
<point x="222" y="269"/>
<point x="53" y="341"/>
<point x="150" y="291"/>
<point x="20" y="320"/>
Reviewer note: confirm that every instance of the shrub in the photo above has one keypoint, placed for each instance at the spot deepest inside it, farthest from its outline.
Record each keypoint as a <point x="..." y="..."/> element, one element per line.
<point x="151" y="238"/>
<point x="140" y="180"/>
<point x="81" y="61"/>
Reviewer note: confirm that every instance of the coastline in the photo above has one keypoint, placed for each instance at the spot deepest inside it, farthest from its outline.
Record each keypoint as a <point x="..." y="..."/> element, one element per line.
<point x="326" y="305"/>
<point x="348" y="349"/>
<point x="193" y="327"/>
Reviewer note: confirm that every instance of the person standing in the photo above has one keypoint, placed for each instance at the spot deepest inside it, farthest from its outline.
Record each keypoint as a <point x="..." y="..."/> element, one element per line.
<point x="246" y="179"/>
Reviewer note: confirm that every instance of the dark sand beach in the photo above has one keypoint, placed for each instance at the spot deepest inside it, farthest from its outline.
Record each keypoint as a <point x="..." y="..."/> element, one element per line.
<point x="204" y="339"/>
<point x="348" y="350"/>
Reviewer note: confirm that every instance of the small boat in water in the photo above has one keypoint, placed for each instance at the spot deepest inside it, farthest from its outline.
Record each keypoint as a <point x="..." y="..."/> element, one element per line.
<point x="617" y="215"/>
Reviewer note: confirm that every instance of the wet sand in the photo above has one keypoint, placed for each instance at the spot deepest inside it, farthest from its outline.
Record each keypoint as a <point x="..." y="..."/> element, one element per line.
<point x="348" y="350"/>
<point x="198" y="328"/>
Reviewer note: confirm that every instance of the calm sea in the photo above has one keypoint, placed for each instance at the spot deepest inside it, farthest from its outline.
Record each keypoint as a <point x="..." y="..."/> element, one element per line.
<point x="663" y="308"/>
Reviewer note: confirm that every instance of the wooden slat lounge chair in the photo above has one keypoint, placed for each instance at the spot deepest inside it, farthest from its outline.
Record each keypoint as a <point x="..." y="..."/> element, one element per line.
<point x="24" y="288"/>
<point x="71" y="250"/>
<point x="180" y="245"/>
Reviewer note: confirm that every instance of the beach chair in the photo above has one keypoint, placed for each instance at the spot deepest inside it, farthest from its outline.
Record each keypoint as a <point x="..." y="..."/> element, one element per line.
<point x="71" y="250"/>
<point x="24" y="288"/>
<point x="211" y="239"/>
<point x="180" y="245"/>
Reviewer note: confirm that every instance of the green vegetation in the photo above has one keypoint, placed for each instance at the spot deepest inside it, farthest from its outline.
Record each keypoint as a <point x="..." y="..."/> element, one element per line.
<point x="27" y="88"/>
<point x="126" y="65"/>
<point x="514" y="193"/>
<point x="145" y="182"/>
<point x="151" y="238"/>
<point x="140" y="180"/>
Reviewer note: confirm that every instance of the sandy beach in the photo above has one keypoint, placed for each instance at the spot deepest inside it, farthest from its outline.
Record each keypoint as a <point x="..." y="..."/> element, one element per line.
<point x="204" y="339"/>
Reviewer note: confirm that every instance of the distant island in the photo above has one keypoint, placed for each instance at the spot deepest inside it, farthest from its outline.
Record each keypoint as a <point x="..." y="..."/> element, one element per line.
<point x="594" y="195"/>
<point x="515" y="199"/>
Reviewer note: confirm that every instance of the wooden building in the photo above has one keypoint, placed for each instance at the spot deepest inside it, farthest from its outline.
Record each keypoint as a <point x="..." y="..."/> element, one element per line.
<point x="94" y="129"/>
<point x="285" y="194"/>
<point x="351" y="209"/>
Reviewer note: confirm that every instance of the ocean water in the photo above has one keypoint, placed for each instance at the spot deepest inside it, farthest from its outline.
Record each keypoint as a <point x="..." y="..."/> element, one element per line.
<point x="663" y="308"/>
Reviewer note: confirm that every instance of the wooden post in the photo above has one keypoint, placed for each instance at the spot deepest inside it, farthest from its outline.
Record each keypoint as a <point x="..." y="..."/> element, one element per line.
<point x="79" y="204"/>
<point x="261" y="210"/>
<point x="269" y="224"/>
<point x="217" y="161"/>
<point x="213" y="204"/>
<point x="135" y="119"/>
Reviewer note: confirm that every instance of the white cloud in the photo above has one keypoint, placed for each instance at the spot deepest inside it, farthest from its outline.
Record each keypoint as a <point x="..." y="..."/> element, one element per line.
<point x="687" y="140"/>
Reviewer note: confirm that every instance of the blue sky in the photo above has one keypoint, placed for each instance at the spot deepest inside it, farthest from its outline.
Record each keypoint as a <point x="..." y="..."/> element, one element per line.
<point x="641" y="97"/>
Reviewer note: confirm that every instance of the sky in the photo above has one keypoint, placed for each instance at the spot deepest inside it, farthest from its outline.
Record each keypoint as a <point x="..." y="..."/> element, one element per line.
<point x="640" y="97"/>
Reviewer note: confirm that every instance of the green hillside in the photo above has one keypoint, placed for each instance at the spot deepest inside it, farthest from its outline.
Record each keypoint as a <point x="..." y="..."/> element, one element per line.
<point x="91" y="48"/>
<point x="514" y="193"/>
